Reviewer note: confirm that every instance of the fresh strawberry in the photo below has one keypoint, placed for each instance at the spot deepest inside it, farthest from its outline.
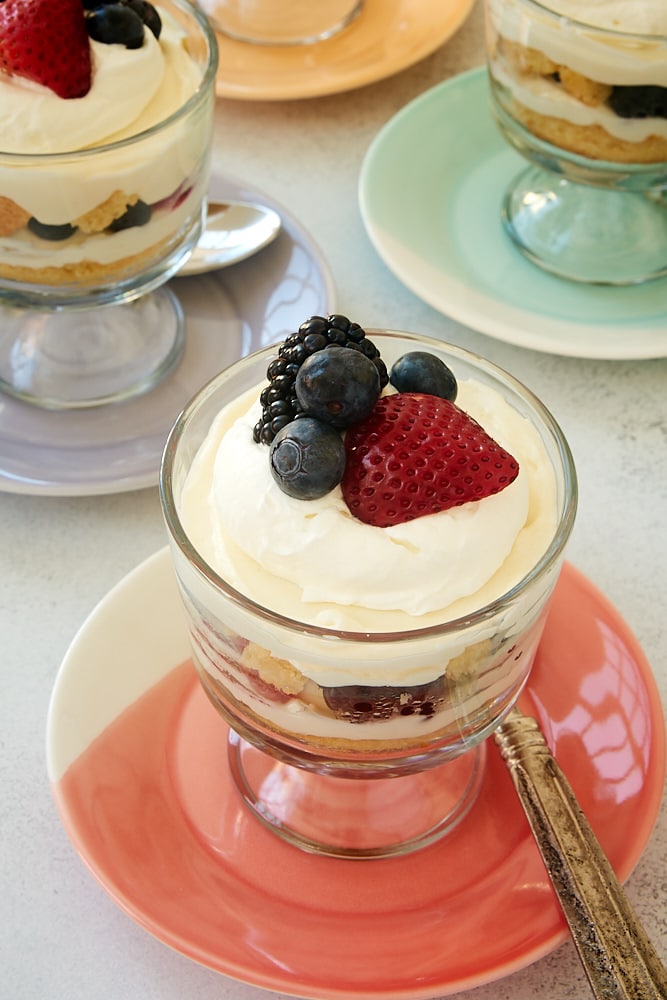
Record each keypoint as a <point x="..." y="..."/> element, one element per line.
<point x="46" y="41"/>
<point x="418" y="454"/>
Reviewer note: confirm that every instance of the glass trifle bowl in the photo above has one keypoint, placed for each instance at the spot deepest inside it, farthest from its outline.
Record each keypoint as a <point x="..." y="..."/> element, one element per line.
<point x="361" y="666"/>
<point x="103" y="177"/>
<point x="579" y="88"/>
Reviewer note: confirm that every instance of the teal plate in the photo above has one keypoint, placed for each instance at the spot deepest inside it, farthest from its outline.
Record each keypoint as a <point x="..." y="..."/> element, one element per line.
<point x="430" y="191"/>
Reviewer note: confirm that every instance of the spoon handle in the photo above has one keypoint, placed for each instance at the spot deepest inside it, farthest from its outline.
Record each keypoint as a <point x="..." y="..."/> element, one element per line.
<point x="619" y="959"/>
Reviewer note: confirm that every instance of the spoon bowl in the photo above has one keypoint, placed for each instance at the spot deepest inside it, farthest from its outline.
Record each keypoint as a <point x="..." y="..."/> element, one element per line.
<point x="234" y="231"/>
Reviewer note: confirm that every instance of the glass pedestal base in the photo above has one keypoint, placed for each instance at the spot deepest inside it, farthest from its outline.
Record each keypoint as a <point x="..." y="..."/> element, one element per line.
<point x="74" y="358"/>
<point x="596" y="235"/>
<point x="355" y="818"/>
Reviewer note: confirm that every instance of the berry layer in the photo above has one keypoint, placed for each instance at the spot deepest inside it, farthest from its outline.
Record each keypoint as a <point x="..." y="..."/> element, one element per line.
<point x="560" y="78"/>
<point x="99" y="256"/>
<point x="472" y="677"/>
<point x="311" y="561"/>
<point x="373" y="719"/>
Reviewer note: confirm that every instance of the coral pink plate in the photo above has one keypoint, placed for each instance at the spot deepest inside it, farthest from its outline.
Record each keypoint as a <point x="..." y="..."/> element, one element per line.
<point x="138" y="767"/>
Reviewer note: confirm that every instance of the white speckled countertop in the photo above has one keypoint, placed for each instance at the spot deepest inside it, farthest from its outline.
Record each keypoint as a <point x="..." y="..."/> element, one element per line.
<point x="61" y="936"/>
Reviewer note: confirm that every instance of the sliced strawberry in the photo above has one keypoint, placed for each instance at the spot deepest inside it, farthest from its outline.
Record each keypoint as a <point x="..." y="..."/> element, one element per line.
<point x="417" y="455"/>
<point x="174" y="199"/>
<point x="46" y="41"/>
<point x="265" y="690"/>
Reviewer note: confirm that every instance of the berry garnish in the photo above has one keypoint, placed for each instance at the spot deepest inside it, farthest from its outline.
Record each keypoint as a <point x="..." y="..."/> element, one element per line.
<point x="419" y="371"/>
<point x="639" y="101"/>
<point x="115" y="24"/>
<point x="279" y="401"/>
<point x="307" y="458"/>
<point x="338" y="386"/>
<point x="46" y="41"/>
<point x="418" y="454"/>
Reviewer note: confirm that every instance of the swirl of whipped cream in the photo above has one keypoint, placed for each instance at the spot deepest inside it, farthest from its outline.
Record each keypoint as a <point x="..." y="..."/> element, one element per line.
<point x="131" y="90"/>
<point x="314" y="562"/>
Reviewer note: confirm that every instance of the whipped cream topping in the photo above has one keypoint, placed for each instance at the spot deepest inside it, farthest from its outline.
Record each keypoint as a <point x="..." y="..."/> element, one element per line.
<point x="132" y="90"/>
<point x="312" y="561"/>
<point x="638" y="59"/>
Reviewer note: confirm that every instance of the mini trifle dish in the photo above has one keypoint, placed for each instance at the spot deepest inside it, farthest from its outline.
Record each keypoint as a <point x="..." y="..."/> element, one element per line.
<point x="105" y="132"/>
<point x="366" y="529"/>
<point x="579" y="87"/>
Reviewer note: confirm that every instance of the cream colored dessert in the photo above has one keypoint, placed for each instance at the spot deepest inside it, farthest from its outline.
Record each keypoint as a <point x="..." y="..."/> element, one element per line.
<point x="313" y="562"/>
<point x="589" y="76"/>
<point x="52" y="169"/>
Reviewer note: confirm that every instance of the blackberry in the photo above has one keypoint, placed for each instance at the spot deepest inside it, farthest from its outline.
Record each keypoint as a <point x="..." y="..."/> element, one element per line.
<point x="315" y="334"/>
<point x="639" y="101"/>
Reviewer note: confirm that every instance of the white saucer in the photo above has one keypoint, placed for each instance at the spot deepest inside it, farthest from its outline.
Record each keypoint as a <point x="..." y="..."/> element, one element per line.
<point x="228" y="314"/>
<point x="430" y="191"/>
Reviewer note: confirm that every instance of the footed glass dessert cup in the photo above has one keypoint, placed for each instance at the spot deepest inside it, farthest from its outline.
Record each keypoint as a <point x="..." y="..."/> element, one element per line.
<point x="581" y="93"/>
<point x="365" y="744"/>
<point x="292" y="22"/>
<point x="89" y="236"/>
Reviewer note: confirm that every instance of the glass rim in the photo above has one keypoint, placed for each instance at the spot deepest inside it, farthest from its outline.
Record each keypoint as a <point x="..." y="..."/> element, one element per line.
<point x="615" y="32"/>
<point x="196" y="98"/>
<point x="550" y="555"/>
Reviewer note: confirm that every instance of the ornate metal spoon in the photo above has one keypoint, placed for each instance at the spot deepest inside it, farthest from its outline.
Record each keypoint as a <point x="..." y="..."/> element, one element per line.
<point x="619" y="959"/>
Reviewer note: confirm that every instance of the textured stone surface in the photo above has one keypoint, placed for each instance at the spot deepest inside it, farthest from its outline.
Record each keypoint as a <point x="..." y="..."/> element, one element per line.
<point x="61" y="935"/>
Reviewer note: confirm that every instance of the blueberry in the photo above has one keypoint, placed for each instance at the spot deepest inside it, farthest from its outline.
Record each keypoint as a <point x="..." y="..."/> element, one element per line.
<point x="338" y="385"/>
<point x="639" y="102"/>
<point x="115" y="24"/>
<point x="135" y="215"/>
<point x="148" y="14"/>
<point x="51" y="233"/>
<point x="307" y="458"/>
<point x="419" y="371"/>
<point x="143" y="8"/>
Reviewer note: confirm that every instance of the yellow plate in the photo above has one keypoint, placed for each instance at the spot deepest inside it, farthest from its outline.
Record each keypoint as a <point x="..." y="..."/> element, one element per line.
<point x="386" y="37"/>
